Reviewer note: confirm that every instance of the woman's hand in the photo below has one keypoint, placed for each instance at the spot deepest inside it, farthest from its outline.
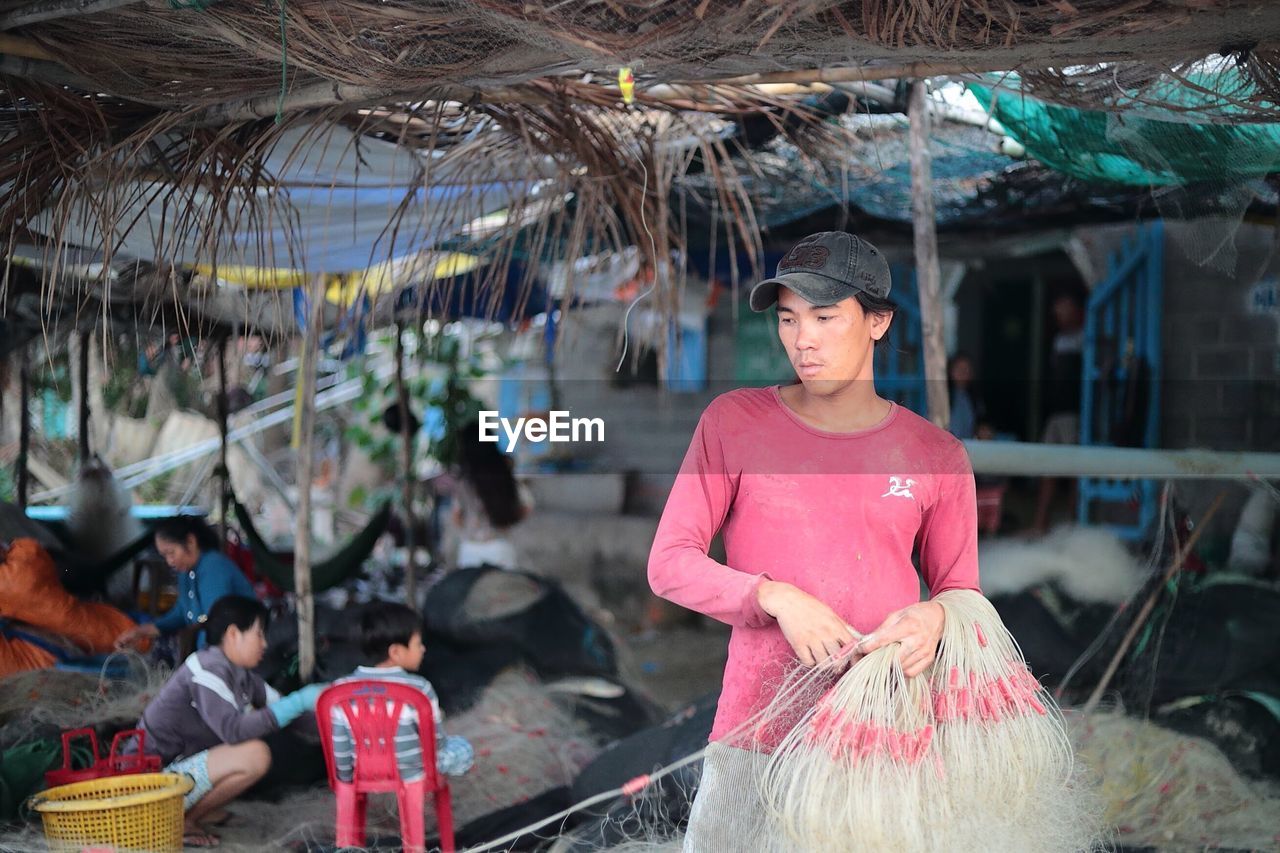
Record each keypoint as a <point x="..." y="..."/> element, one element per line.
<point x="918" y="627"/>
<point x="137" y="635"/>
<point x="812" y="628"/>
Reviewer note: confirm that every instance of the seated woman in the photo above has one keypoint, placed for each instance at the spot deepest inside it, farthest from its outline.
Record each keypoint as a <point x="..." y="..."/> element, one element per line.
<point x="205" y="575"/>
<point x="209" y="719"/>
<point x="487" y="503"/>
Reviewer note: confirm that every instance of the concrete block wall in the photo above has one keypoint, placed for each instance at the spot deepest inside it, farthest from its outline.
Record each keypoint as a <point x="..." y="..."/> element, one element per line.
<point x="1221" y="346"/>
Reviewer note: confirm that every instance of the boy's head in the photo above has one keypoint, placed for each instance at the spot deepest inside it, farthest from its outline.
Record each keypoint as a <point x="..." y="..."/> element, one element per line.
<point x="391" y="635"/>
<point x="238" y="626"/>
<point x="832" y="293"/>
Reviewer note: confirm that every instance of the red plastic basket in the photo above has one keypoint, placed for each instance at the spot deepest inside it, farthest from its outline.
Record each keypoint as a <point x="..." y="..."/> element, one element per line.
<point x="115" y="764"/>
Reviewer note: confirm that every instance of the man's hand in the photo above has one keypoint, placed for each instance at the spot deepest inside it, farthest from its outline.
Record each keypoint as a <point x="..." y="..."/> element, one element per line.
<point x="812" y="628"/>
<point x="917" y="627"/>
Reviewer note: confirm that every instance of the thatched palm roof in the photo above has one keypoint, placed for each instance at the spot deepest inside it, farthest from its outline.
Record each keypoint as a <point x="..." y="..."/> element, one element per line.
<point x="114" y="105"/>
<point x="225" y="58"/>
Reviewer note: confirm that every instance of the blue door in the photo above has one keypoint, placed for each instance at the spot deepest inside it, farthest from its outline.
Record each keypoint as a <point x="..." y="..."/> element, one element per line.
<point x="1120" y="401"/>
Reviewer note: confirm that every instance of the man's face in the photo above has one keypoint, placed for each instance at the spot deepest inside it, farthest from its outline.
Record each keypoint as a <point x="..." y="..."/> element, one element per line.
<point x="829" y="346"/>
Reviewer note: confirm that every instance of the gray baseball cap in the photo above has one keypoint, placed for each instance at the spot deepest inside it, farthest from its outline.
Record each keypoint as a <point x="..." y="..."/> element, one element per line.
<point x="826" y="268"/>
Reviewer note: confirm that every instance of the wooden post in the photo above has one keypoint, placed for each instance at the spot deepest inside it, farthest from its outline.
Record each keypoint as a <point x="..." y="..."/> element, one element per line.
<point x="4" y="387"/>
<point x="86" y="341"/>
<point x="928" y="274"/>
<point x="406" y="486"/>
<point x="224" y="473"/>
<point x="306" y="430"/>
<point x="24" y="425"/>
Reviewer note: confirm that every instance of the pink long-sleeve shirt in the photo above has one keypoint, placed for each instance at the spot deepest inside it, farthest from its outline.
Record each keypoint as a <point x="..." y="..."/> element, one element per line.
<point x="835" y="514"/>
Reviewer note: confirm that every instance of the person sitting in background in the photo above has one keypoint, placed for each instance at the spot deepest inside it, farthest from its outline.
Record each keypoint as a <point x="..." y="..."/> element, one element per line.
<point x="966" y="406"/>
<point x="209" y="719"/>
<point x="391" y="634"/>
<point x="1063" y="393"/>
<point x="205" y="576"/>
<point x="487" y="503"/>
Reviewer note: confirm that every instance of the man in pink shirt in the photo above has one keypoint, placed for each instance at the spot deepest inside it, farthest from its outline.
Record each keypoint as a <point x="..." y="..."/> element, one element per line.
<point x="822" y="489"/>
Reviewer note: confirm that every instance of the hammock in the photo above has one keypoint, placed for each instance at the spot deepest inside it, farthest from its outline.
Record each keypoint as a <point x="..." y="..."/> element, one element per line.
<point x="341" y="566"/>
<point x="81" y="577"/>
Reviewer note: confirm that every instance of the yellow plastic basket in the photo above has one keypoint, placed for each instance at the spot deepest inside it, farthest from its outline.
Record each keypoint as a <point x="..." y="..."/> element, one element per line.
<point x="142" y="811"/>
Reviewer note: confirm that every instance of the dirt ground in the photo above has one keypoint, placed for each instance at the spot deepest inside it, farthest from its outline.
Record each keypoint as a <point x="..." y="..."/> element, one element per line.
<point x="677" y="664"/>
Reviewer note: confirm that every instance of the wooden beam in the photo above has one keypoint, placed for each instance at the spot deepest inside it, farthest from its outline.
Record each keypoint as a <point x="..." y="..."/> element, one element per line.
<point x="928" y="272"/>
<point x="4" y="387"/>
<point x="24" y="425"/>
<point x="86" y="341"/>
<point x="11" y="45"/>
<point x="44" y="72"/>
<point x="51" y="10"/>
<point x="406" y="485"/>
<point x="306" y="430"/>
<point x="314" y="96"/>
<point x="863" y="73"/>
<point x="224" y="473"/>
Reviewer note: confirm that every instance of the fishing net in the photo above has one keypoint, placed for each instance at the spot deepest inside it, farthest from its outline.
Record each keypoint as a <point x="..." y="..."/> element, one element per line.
<point x="1147" y="149"/>
<point x="526" y="745"/>
<point x="1172" y="792"/>
<point x="1194" y="142"/>
<point x="45" y="702"/>
<point x="496" y="595"/>
<point x="513" y="610"/>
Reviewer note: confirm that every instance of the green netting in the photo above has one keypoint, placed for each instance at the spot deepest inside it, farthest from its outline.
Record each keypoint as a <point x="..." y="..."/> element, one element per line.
<point x="1134" y="147"/>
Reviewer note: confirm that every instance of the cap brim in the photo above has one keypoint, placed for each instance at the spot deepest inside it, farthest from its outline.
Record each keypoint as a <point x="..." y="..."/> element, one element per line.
<point x="812" y="288"/>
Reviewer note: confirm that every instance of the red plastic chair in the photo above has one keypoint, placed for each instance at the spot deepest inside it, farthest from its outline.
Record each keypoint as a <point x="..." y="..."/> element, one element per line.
<point x="990" y="508"/>
<point x="372" y="710"/>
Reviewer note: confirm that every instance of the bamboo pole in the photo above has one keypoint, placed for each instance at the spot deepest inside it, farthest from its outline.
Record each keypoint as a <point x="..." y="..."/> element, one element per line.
<point x="1027" y="459"/>
<point x="1150" y="603"/>
<point x="928" y="272"/>
<point x="25" y="48"/>
<point x="12" y="65"/>
<point x="224" y="473"/>
<point x="406" y="485"/>
<point x="4" y="387"/>
<point x="864" y="73"/>
<point x="24" y="425"/>
<point x="86" y="341"/>
<point x="305" y="431"/>
<point x="50" y="10"/>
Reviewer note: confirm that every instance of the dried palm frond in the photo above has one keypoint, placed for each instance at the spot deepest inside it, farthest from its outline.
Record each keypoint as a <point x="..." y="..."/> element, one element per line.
<point x="244" y="49"/>
<point x="581" y="174"/>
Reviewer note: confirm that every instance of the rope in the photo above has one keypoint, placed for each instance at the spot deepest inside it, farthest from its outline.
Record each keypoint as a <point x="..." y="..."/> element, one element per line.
<point x="630" y="789"/>
<point x="635" y="786"/>
<point x="653" y="248"/>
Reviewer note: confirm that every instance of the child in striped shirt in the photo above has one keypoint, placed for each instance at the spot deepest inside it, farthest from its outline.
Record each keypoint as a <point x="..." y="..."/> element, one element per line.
<point x="392" y="634"/>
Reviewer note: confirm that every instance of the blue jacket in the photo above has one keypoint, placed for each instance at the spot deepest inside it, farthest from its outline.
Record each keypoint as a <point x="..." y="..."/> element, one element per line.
<point x="214" y="577"/>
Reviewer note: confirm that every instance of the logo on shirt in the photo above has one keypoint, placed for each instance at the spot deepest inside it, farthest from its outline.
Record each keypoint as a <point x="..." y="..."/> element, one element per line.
<point x="900" y="487"/>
